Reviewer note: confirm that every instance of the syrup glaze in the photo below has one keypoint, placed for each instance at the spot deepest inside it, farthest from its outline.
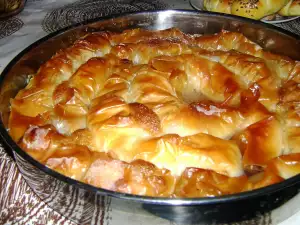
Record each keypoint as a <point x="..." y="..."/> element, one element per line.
<point x="163" y="113"/>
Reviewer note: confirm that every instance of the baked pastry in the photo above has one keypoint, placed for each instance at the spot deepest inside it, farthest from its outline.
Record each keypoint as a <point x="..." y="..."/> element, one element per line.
<point x="253" y="9"/>
<point x="256" y="9"/>
<point x="292" y="8"/>
<point x="218" y="6"/>
<point x="163" y="113"/>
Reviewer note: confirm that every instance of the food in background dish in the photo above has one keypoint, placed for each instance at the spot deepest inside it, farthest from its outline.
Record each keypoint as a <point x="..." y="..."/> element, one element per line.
<point x="11" y="7"/>
<point x="254" y="9"/>
<point x="163" y="113"/>
<point x="291" y="9"/>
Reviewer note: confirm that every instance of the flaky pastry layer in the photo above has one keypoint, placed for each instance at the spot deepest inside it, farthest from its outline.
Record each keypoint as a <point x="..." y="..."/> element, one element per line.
<point x="163" y="113"/>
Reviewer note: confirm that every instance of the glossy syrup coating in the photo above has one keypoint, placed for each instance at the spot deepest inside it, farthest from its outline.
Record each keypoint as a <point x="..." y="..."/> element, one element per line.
<point x="163" y="113"/>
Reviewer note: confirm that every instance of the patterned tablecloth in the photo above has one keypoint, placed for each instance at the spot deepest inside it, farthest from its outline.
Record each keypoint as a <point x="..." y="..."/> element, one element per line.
<point x="18" y="203"/>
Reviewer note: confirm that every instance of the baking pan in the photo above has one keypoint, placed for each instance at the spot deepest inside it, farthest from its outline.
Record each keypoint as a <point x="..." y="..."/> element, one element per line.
<point x="76" y="200"/>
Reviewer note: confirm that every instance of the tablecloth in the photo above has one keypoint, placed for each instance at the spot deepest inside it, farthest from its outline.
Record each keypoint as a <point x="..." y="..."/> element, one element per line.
<point x="18" y="203"/>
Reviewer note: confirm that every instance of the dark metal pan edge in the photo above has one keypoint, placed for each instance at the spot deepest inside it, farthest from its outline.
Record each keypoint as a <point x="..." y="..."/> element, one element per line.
<point x="143" y="199"/>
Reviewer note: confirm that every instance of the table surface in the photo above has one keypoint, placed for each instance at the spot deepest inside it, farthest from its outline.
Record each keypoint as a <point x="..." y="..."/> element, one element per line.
<point x="18" y="203"/>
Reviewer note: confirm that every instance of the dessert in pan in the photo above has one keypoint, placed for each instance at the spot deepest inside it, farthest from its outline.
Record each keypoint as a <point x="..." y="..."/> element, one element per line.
<point x="268" y="11"/>
<point x="163" y="113"/>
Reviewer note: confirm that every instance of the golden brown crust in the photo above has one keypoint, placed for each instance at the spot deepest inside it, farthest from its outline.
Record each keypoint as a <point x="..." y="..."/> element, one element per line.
<point x="223" y="6"/>
<point x="292" y="8"/>
<point x="253" y="9"/>
<point x="163" y="113"/>
<point x="261" y="142"/>
<point x="286" y="166"/>
<point x="256" y="9"/>
<point x="196" y="182"/>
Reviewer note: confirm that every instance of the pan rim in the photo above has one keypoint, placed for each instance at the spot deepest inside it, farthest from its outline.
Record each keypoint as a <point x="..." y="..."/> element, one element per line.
<point x="141" y="199"/>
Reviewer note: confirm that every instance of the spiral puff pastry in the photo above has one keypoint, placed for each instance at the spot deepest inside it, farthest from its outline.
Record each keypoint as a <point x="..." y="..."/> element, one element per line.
<point x="163" y="113"/>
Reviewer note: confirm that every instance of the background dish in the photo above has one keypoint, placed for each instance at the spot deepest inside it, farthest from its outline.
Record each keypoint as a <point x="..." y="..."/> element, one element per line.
<point x="280" y="19"/>
<point x="198" y="4"/>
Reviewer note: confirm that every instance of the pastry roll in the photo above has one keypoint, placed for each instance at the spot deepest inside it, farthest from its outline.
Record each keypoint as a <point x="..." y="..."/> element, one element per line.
<point x="218" y="6"/>
<point x="292" y="8"/>
<point x="286" y="166"/>
<point x="201" y="151"/>
<point x="256" y="9"/>
<point x="164" y="113"/>
<point x="196" y="182"/>
<point x="261" y="142"/>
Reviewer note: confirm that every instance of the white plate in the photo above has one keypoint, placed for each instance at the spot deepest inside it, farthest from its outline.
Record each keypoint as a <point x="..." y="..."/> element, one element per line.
<point x="280" y="19"/>
<point x="198" y="4"/>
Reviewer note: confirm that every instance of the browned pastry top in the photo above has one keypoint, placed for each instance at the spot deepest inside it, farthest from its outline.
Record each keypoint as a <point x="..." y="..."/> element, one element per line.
<point x="254" y="9"/>
<point x="163" y="113"/>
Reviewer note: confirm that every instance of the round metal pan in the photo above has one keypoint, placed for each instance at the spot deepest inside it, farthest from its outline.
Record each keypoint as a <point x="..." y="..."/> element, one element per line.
<point x="78" y="197"/>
